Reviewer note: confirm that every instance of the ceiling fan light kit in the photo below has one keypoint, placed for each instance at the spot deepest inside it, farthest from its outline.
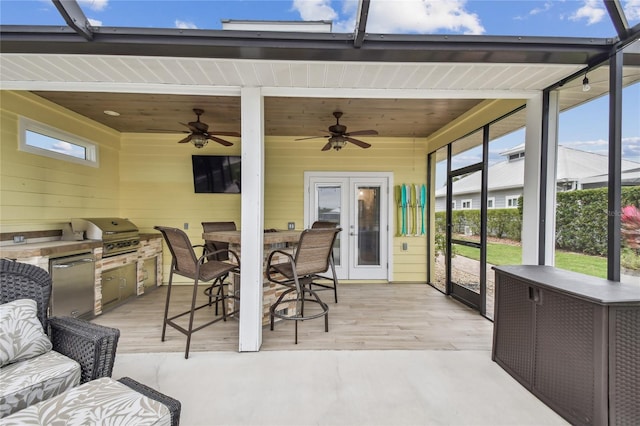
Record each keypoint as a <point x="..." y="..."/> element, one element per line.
<point x="337" y="142"/>
<point x="199" y="141"/>
<point x="200" y="133"/>
<point x="338" y="136"/>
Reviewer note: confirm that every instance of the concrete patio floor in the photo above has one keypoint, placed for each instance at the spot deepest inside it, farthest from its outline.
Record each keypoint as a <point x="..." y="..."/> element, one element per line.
<point x="363" y="387"/>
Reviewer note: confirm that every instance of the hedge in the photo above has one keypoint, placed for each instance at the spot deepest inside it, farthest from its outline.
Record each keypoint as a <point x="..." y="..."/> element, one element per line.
<point x="582" y="216"/>
<point x="501" y="223"/>
<point x="581" y="220"/>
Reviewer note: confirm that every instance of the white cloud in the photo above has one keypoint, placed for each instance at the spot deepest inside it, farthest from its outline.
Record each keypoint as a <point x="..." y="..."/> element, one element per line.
<point x="591" y="10"/>
<point x="96" y="5"/>
<point x="185" y="25"/>
<point x="315" y="10"/>
<point x="545" y="8"/>
<point x="422" y="16"/>
<point x="94" y="22"/>
<point x="396" y="16"/>
<point x="632" y="10"/>
<point x="630" y="147"/>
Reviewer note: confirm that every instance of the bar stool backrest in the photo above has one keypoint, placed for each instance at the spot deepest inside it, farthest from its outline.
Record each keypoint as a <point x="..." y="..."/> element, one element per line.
<point x="212" y="246"/>
<point x="184" y="258"/>
<point x="314" y="250"/>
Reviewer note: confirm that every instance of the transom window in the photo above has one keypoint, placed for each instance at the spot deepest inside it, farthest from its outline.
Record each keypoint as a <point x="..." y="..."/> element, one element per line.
<point x="42" y="139"/>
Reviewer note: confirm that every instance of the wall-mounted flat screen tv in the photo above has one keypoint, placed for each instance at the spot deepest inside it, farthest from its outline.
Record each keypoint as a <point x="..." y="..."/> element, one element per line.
<point x="216" y="174"/>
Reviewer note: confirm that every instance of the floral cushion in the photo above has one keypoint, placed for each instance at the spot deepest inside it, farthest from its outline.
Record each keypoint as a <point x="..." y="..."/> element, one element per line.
<point x="21" y="333"/>
<point x="98" y="402"/>
<point x="27" y="382"/>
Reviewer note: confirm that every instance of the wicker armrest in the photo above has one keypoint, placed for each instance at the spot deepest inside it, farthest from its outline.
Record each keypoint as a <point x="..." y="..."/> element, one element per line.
<point x="172" y="404"/>
<point x="93" y="346"/>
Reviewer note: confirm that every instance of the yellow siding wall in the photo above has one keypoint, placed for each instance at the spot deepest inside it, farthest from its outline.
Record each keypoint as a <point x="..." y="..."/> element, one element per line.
<point x="40" y="193"/>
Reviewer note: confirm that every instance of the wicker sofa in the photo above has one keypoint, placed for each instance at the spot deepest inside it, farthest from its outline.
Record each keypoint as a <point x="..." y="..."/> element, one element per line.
<point x="41" y="357"/>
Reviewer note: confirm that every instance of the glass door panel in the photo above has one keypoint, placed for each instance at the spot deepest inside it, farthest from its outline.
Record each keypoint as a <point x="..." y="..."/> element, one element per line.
<point x="368" y="225"/>
<point x="329" y="209"/>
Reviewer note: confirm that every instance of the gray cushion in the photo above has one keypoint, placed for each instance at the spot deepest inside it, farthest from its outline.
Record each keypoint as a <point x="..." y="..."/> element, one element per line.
<point x="21" y="333"/>
<point x="98" y="402"/>
<point x="27" y="382"/>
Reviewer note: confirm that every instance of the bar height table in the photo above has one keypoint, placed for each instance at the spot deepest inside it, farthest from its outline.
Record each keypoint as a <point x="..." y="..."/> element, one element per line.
<point x="281" y="240"/>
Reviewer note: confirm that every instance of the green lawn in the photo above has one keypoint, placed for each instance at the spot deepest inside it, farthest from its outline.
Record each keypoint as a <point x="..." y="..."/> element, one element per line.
<point x="504" y="254"/>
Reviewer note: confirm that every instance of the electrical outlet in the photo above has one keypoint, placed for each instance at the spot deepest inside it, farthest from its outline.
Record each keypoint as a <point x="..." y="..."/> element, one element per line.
<point x="405" y="246"/>
<point x="186" y="226"/>
<point x="291" y="225"/>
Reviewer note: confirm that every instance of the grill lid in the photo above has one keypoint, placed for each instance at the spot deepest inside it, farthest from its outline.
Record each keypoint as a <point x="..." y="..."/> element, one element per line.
<point x="103" y="227"/>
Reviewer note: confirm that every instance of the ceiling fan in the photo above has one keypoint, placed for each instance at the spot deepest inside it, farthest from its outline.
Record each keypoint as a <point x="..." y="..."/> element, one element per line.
<point x="338" y="136"/>
<point x="200" y="134"/>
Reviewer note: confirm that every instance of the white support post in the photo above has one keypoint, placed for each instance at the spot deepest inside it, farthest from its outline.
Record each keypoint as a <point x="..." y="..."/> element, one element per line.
<point x="531" y="190"/>
<point x="552" y="174"/>
<point x="252" y="216"/>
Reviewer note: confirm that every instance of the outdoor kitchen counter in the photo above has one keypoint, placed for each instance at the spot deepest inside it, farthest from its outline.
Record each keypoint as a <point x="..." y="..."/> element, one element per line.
<point x="278" y="240"/>
<point x="47" y="248"/>
<point x="55" y="248"/>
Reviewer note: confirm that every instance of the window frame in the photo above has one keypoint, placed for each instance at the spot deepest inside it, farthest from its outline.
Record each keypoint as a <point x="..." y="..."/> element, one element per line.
<point x="511" y="197"/>
<point x="492" y="201"/>
<point x="462" y="203"/>
<point x="29" y="125"/>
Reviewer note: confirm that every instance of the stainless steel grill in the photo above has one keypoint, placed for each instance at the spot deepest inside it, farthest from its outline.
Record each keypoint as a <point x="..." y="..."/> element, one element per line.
<point x="118" y="235"/>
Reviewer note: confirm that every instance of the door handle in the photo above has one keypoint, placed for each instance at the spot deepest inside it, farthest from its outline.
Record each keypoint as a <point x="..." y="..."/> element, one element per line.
<point x="535" y="295"/>
<point x="353" y="234"/>
<point x="72" y="264"/>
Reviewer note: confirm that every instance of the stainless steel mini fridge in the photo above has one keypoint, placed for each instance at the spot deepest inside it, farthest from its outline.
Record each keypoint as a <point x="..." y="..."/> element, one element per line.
<point x="73" y="285"/>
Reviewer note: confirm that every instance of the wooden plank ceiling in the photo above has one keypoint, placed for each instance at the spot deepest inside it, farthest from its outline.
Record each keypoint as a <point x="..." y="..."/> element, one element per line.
<point x="284" y="116"/>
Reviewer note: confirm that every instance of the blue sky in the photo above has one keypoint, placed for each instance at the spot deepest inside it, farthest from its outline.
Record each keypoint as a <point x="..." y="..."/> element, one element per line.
<point x="585" y="127"/>
<point x="577" y="18"/>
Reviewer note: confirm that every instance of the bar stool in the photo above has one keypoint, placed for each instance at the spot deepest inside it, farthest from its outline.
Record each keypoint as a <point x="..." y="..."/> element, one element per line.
<point x="319" y="224"/>
<point x="185" y="263"/>
<point x="312" y="256"/>
<point x="220" y="248"/>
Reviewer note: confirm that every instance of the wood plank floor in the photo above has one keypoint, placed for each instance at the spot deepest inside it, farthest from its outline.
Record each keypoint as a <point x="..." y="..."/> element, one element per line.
<point x="368" y="316"/>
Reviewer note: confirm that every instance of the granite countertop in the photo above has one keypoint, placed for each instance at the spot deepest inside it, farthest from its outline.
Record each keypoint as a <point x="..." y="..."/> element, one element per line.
<point x="273" y="237"/>
<point x="56" y="248"/>
<point x="47" y="248"/>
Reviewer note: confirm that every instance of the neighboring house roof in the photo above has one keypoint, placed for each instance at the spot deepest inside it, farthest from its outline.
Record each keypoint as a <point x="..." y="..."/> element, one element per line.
<point x="573" y="165"/>
<point x="629" y="177"/>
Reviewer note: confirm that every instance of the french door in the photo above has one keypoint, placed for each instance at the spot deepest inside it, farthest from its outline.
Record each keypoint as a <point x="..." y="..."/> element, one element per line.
<point x="359" y="203"/>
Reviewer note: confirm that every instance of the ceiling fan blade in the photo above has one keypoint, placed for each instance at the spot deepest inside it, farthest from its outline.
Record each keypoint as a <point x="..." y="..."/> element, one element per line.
<point x="236" y="134"/>
<point x="361" y="144"/>
<point x="327" y="147"/>
<point x="193" y="129"/>
<point x="362" y="133"/>
<point x="220" y="141"/>
<point x="167" y="131"/>
<point x="185" y="140"/>
<point x="311" y="137"/>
